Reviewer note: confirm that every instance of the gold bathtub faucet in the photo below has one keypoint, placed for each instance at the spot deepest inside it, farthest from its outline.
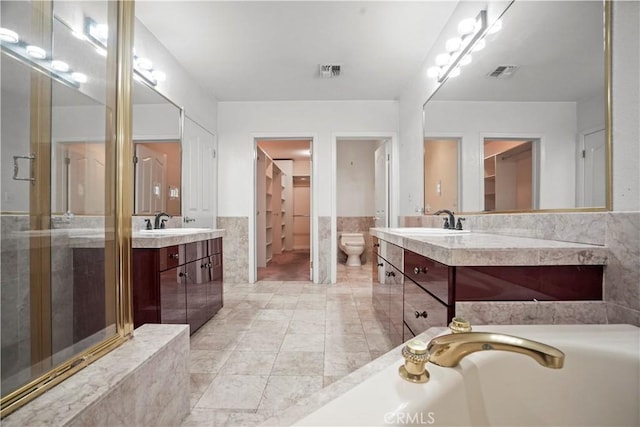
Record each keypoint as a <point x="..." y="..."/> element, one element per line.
<point x="448" y="350"/>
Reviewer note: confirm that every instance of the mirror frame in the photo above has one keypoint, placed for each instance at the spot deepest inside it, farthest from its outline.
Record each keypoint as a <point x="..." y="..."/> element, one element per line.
<point x="607" y="60"/>
<point x="134" y="140"/>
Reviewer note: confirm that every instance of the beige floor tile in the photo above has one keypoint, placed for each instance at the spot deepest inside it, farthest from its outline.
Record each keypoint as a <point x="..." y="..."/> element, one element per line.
<point x="262" y="341"/>
<point x="347" y="343"/>
<point x="299" y="363"/>
<point x="269" y="327"/>
<point x="306" y="327"/>
<point x="328" y="380"/>
<point x="197" y="385"/>
<point x="274" y="315"/>
<point x="249" y="363"/>
<point x="335" y="328"/>
<point x="234" y="392"/>
<point x="215" y="341"/>
<point x="303" y="342"/>
<point x="207" y="361"/>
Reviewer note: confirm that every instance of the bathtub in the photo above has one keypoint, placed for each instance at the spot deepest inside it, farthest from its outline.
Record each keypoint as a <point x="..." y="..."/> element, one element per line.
<point x="599" y="385"/>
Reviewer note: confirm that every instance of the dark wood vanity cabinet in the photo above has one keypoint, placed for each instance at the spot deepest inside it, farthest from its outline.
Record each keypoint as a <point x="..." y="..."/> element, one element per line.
<point x="178" y="284"/>
<point x="387" y="291"/>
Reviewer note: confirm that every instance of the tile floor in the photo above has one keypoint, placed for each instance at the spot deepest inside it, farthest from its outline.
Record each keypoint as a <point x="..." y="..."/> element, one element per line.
<point x="274" y="342"/>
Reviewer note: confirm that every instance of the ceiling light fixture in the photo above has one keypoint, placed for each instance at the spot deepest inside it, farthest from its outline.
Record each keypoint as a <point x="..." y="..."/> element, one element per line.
<point x="79" y="77"/>
<point x="61" y="66"/>
<point x="36" y="52"/>
<point x="471" y="38"/>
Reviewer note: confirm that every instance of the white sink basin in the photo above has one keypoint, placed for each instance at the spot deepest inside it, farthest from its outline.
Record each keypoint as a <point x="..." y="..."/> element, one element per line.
<point x="424" y="231"/>
<point x="598" y="386"/>
<point x="174" y="231"/>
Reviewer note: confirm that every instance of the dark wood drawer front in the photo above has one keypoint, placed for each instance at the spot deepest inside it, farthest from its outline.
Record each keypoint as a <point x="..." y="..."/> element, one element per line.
<point x="195" y="250"/>
<point x="429" y="274"/>
<point x="525" y="283"/>
<point x="430" y="311"/>
<point x="215" y="246"/>
<point x="170" y="257"/>
<point x="407" y="334"/>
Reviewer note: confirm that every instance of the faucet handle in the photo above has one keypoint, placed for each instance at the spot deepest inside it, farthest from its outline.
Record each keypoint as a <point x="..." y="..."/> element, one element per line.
<point x="459" y="325"/>
<point x="446" y="223"/>
<point x="415" y="357"/>
<point x="459" y="223"/>
<point x="148" y="224"/>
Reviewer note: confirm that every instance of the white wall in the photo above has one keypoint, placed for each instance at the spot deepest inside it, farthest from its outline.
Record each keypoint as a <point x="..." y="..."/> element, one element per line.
<point x="553" y="122"/>
<point x="355" y="164"/>
<point x="239" y="122"/>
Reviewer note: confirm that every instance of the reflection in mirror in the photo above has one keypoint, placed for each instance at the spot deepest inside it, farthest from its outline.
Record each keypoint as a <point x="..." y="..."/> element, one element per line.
<point x="156" y="138"/>
<point x="441" y="174"/>
<point x="541" y="78"/>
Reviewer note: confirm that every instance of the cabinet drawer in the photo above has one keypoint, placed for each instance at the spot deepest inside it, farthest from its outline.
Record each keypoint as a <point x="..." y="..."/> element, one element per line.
<point x="429" y="274"/>
<point x="170" y="257"/>
<point x="416" y="300"/>
<point x="215" y="246"/>
<point x="196" y="250"/>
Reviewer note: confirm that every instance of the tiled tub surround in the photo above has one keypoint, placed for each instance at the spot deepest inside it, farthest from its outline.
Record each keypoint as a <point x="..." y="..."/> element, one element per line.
<point x="143" y="382"/>
<point x="356" y="224"/>
<point x="619" y="231"/>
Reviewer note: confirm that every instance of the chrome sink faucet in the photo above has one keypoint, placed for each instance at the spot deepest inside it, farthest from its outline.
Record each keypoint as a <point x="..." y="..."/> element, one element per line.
<point x="160" y="224"/>
<point x="449" y="350"/>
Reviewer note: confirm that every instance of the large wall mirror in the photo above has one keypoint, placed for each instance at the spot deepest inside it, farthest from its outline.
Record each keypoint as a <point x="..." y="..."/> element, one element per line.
<point x="157" y="136"/>
<point x="524" y="127"/>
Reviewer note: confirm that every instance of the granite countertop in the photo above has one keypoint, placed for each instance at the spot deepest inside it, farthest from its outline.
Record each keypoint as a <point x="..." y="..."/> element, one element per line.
<point x="486" y="249"/>
<point x="163" y="240"/>
<point x="94" y="238"/>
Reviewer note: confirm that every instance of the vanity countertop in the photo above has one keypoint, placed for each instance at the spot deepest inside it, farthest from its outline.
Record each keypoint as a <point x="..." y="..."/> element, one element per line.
<point x="486" y="249"/>
<point x="160" y="240"/>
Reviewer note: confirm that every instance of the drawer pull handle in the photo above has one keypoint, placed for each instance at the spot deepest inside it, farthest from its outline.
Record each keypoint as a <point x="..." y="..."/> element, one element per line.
<point x="390" y="274"/>
<point x="380" y="264"/>
<point x="376" y="245"/>
<point x="181" y="274"/>
<point x="422" y="314"/>
<point x="418" y="270"/>
<point x="174" y="256"/>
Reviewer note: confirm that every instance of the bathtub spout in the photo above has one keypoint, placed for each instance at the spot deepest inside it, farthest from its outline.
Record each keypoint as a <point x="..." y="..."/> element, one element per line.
<point x="448" y="350"/>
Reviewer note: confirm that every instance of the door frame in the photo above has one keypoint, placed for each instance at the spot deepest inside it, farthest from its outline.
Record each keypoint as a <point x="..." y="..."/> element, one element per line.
<point x="394" y="185"/>
<point x="253" y="232"/>
<point x="580" y="164"/>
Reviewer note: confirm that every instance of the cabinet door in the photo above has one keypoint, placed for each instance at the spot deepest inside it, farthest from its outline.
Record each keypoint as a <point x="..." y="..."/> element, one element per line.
<point x="173" y="302"/>
<point x="380" y="295"/>
<point x="395" y="281"/>
<point x="214" y="289"/>
<point x="421" y="310"/>
<point x="196" y="283"/>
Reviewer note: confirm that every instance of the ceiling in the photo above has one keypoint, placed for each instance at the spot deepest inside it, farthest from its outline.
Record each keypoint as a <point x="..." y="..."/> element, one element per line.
<point x="271" y="50"/>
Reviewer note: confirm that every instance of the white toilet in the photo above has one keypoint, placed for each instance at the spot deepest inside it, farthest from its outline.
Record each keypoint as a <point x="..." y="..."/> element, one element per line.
<point x="352" y="244"/>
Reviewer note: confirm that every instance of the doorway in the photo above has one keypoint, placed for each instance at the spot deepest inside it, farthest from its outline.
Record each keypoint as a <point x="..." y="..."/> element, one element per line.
<point x="510" y="174"/>
<point x="283" y="237"/>
<point x="362" y="199"/>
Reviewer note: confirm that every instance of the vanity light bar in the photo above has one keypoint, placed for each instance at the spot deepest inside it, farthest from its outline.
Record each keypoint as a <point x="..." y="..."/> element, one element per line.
<point x="38" y="58"/>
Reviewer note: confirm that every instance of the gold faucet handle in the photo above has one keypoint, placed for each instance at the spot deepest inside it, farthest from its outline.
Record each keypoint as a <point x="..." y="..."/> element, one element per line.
<point x="459" y="325"/>
<point x="415" y="357"/>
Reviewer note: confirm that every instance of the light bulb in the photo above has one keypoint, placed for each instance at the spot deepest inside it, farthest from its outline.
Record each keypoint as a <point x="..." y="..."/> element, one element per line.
<point x="442" y="59"/>
<point x="61" y="66"/>
<point x="36" y="52"/>
<point x="159" y="75"/>
<point x="433" y="72"/>
<point x="465" y="61"/>
<point x="466" y="26"/>
<point x="144" y="64"/>
<point x="6" y="35"/>
<point x="479" y="45"/>
<point x="79" y="77"/>
<point x="453" y="44"/>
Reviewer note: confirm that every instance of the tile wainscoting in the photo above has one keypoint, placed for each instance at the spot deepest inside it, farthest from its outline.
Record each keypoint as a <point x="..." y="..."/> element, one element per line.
<point x="324" y="249"/>
<point x="235" y="248"/>
<point x="619" y="231"/>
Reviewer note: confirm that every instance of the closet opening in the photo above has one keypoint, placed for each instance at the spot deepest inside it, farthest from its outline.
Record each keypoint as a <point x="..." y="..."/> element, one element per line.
<point x="283" y="201"/>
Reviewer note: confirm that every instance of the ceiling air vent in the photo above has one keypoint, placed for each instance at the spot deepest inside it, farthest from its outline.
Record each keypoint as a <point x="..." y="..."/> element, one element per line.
<point x="329" y="71"/>
<point x="503" y="72"/>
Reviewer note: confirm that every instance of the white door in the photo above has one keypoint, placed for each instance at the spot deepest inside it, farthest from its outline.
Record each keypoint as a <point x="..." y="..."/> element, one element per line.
<point x="381" y="181"/>
<point x="594" y="169"/>
<point x="199" y="173"/>
<point x="150" y="179"/>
